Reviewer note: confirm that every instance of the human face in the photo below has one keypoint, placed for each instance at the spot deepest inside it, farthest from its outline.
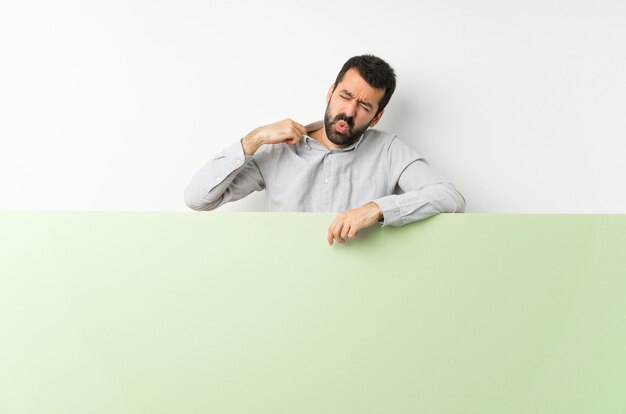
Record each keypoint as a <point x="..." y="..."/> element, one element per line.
<point x="354" y="102"/>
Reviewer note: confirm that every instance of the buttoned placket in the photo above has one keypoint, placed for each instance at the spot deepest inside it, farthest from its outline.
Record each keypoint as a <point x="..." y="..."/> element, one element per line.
<point x="327" y="177"/>
<point x="328" y="173"/>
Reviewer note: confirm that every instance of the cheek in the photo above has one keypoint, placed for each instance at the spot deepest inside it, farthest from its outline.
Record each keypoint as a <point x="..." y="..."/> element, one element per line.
<point x="363" y="119"/>
<point x="334" y="110"/>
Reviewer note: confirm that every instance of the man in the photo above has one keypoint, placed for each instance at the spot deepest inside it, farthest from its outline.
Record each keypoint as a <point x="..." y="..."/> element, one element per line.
<point x="337" y="164"/>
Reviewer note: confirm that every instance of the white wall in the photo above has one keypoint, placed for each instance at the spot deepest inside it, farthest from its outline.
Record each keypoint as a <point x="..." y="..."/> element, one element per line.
<point x="113" y="105"/>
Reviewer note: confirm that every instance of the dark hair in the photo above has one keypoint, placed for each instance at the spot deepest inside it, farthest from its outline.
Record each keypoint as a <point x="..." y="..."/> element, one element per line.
<point x="376" y="72"/>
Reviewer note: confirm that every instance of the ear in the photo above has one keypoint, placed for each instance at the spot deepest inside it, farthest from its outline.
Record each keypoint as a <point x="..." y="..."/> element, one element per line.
<point x="330" y="92"/>
<point x="376" y="118"/>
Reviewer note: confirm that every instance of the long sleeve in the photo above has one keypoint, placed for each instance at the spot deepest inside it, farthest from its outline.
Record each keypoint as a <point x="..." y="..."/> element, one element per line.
<point x="228" y="176"/>
<point x="420" y="190"/>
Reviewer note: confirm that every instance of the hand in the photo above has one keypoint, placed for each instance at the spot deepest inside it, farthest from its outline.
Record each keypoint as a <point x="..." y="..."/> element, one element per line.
<point x="348" y="223"/>
<point x="287" y="131"/>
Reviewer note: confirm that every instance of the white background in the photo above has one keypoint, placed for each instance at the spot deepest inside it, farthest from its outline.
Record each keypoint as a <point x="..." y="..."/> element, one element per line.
<point x="113" y="105"/>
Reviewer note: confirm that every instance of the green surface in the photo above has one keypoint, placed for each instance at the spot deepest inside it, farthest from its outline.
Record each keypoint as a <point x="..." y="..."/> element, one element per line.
<point x="228" y="312"/>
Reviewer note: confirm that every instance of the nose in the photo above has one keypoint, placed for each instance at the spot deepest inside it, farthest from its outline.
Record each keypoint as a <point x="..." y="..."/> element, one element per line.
<point x="350" y="109"/>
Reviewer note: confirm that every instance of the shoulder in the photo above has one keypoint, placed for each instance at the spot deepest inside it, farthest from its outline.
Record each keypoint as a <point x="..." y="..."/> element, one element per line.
<point x="390" y="144"/>
<point x="378" y="137"/>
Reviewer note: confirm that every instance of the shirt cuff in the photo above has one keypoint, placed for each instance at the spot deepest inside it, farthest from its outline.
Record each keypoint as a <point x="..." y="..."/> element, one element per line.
<point x="234" y="152"/>
<point x="230" y="159"/>
<point x="390" y="209"/>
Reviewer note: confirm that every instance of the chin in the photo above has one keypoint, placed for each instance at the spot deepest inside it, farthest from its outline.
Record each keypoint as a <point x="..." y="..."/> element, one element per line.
<point x="341" y="139"/>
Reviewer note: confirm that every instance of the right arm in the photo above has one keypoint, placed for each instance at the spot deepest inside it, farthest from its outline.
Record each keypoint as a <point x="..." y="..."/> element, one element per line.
<point x="234" y="173"/>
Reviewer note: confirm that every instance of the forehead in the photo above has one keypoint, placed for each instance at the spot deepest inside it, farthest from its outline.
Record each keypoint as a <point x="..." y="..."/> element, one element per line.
<point x="354" y="83"/>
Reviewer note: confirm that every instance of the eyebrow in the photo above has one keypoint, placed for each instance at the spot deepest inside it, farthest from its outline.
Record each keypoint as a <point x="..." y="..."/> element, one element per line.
<point x="369" y="105"/>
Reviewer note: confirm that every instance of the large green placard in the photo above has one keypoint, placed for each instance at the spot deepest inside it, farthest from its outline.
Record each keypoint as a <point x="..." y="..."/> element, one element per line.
<point x="223" y="312"/>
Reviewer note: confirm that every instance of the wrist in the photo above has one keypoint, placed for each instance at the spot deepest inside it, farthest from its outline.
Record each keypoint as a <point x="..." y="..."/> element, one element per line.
<point x="251" y="142"/>
<point x="376" y="211"/>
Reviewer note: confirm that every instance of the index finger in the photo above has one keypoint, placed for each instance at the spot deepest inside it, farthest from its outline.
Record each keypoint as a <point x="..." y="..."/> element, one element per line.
<point x="300" y="128"/>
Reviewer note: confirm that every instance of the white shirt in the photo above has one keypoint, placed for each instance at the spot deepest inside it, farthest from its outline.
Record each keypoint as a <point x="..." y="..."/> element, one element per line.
<point x="307" y="176"/>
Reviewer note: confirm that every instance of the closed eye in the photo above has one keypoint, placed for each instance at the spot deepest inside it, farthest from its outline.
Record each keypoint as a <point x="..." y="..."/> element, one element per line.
<point x="362" y="106"/>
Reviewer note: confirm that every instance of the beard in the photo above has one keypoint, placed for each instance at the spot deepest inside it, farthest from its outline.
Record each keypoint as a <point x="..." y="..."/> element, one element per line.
<point x="337" y="137"/>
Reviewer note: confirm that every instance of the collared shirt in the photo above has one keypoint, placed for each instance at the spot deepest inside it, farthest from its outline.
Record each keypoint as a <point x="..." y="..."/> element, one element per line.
<point x="307" y="176"/>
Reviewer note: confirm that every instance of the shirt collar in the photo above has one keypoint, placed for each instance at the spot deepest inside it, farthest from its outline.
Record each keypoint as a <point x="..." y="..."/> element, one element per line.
<point x="314" y="126"/>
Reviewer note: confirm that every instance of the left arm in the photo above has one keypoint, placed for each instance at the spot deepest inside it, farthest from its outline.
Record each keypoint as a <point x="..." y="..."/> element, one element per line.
<point x="420" y="192"/>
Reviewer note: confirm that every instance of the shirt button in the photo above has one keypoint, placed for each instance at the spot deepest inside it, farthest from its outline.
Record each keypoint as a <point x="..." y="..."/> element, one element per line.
<point x="237" y="162"/>
<point x="218" y="178"/>
<point x="325" y="180"/>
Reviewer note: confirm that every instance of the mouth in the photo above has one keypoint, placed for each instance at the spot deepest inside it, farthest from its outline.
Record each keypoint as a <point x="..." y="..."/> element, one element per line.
<point x="342" y="127"/>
